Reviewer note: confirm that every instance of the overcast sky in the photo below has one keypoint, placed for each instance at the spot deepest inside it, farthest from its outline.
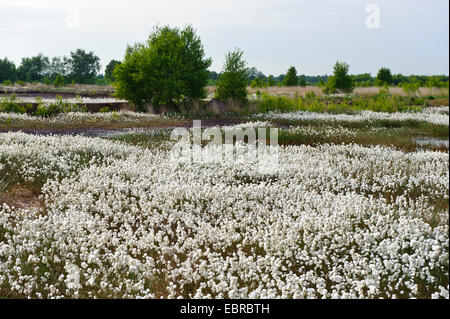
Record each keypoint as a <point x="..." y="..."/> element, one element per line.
<point x="412" y="36"/>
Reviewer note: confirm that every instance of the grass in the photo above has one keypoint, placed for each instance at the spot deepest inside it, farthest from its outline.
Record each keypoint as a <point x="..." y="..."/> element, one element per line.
<point x="380" y="102"/>
<point x="115" y="122"/>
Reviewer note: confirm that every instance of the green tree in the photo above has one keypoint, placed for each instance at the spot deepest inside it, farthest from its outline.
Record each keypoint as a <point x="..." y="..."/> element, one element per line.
<point x="384" y="76"/>
<point x="109" y="76"/>
<point x="291" y="78"/>
<point x="7" y="70"/>
<point x="59" y="81"/>
<point x="232" y="82"/>
<point x="321" y="83"/>
<point x="340" y="80"/>
<point x="83" y="66"/>
<point x="34" y="68"/>
<point x="271" y="81"/>
<point x="302" y="81"/>
<point x="57" y="66"/>
<point x="167" y="70"/>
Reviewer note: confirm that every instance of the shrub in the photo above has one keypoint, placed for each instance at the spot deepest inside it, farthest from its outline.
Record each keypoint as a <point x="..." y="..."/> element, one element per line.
<point x="310" y="95"/>
<point x="340" y="80"/>
<point x="21" y="83"/>
<point x="291" y="78"/>
<point x="410" y="88"/>
<point x="59" y="106"/>
<point x="273" y="103"/>
<point x="59" y="81"/>
<point x="109" y="71"/>
<point x="384" y="76"/>
<point x="9" y="104"/>
<point x="104" y="109"/>
<point x="232" y="82"/>
<point x="168" y="70"/>
<point x="8" y="70"/>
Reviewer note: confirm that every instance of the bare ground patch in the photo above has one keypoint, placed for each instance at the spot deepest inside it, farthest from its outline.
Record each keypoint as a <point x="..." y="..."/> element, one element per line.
<point x="21" y="196"/>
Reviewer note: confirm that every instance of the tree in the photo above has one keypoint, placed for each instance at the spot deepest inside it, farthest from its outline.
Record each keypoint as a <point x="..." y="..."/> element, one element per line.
<point x="340" y="80"/>
<point x="169" y="69"/>
<point x="7" y="70"/>
<point x="82" y="66"/>
<point x="384" y="76"/>
<point x="291" y="78"/>
<point x="59" y="81"/>
<point x="321" y="82"/>
<point x="271" y="80"/>
<point x="109" y="76"/>
<point x="58" y="66"/>
<point x="34" y="68"/>
<point x="302" y="81"/>
<point x="232" y="82"/>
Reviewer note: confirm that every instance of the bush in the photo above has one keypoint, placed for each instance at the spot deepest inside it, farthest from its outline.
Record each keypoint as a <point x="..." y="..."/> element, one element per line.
<point x="271" y="103"/>
<point x="291" y="78"/>
<point x="232" y="82"/>
<point x="8" y="70"/>
<point x="9" y="104"/>
<point x="59" y="81"/>
<point x="167" y="71"/>
<point x="109" y="71"/>
<point x="410" y="89"/>
<point x="340" y="80"/>
<point x="384" y="76"/>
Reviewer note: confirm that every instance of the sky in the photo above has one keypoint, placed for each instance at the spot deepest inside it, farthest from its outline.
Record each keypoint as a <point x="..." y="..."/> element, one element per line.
<point x="408" y="36"/>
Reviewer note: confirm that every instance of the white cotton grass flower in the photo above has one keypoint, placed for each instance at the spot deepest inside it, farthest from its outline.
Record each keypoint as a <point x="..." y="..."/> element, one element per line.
<point x="120" y="221"/>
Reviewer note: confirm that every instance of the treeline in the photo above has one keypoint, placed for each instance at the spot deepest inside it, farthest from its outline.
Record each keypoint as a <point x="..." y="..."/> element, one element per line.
<point x="83" y="67"/>
<point x="79" y="67"/>
<point x="258" y="79"/>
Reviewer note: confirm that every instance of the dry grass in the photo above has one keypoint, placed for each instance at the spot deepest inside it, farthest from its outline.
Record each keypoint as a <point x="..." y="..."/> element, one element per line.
<point x="21" y="196"/>
<point x="291" y="90"/>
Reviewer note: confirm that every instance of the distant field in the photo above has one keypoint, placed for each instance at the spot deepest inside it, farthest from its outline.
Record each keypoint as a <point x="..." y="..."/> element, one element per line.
<point x="107" y="90"/>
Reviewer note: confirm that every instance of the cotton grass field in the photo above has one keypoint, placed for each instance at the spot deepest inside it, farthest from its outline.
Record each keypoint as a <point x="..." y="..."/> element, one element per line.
<point x="118" y="217"/>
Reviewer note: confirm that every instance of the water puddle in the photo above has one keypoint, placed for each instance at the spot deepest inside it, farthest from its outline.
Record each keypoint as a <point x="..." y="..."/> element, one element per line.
<point x="423" y="141"/>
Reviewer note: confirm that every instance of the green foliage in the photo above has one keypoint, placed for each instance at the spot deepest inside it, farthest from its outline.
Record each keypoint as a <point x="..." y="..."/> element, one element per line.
<point x="271" y="81"/>
<point x="9" y="104"/>
<point x="310" y="95"/>
<point x="384" y="76"/>
<point x="410" y="89"/>
<point x="168" y="70"/>
<point x="272" y="103"/>
<point x="291" y="78"/>
<point x="82" y="66"/>
<point x="258" y="83"/>
<point x="321" y="83"/>
<point x="8" y="83"/>
<point x="363" y="79"/>
<point x="7" y="70"/>
<point x="21" y="83"/>
<point x="381" y="102"/>
<point x="302" y="81"/>
<point x="46" y="81"/>
<point x="340" y="80"/>
<point x="33" y="69"/>
<point x="57" y="66"/>
<point x="109" y="71"/>
<point x="436" y="81"/>
<point x="104" y="109"/>
<point x="232" y="83"/>
<point x="59" y="81"/>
